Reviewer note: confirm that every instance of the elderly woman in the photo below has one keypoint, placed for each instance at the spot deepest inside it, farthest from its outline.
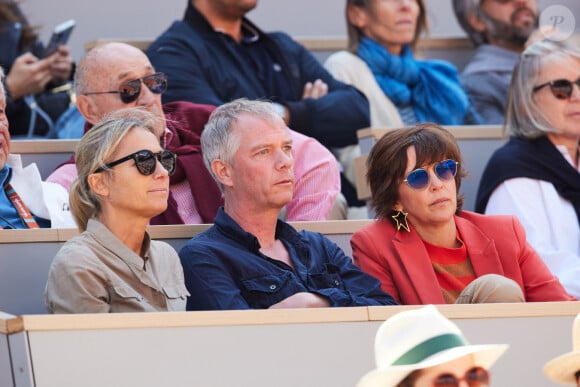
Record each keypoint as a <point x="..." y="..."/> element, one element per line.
<point x="424" y="248"/>
<point x="403" y="359"/>
<point x="535" y="176"/>
<point x="381" y="63"/>
<point x="113" y="265"/>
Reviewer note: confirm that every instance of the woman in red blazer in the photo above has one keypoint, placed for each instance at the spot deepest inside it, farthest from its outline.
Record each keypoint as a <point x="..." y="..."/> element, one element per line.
<point x="424" y="248"/>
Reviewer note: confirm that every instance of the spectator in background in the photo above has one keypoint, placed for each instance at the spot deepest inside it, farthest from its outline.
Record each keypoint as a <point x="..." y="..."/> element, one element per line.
<point x="381" y="63"/>
<point x="536" y="175"/>
<point x="25" y="200"/>
<point x="424" y="248"/>
<point x="565" y="369"/>
<point x="249" y="259"/>
<point x="116" y="75"/>
<point x="404" y="358"/>
<point x="215" y="55"/>
<point x="32" y="79"/>
<point x="113" y="265"/>
<point x="499" y="30"/>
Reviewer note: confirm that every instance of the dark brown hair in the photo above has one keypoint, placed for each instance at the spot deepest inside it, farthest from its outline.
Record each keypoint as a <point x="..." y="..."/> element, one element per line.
<point x="10" y="12"/>
<point x="355" y="34"/>
<point x="388" y="160"/>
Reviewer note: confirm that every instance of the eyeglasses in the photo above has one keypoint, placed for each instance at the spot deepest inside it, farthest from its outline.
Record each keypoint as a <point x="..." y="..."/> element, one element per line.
<point x="146" y="161"/>
<point x="560" y="88"/>
<point x="475" y="377"/>
<point x="130" y="91"/>
<point x="419" y="178"/>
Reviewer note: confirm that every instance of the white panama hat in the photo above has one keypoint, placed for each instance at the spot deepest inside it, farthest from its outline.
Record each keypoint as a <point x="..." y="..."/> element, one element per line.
<point x="563" y="368"/>
<point x="418" y="339"/>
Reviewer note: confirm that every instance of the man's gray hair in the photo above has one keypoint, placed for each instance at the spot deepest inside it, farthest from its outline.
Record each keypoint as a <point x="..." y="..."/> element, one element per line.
<point x="524" y="118"/>
<point x="219" y="141"/>
<point x="463" y="9"/>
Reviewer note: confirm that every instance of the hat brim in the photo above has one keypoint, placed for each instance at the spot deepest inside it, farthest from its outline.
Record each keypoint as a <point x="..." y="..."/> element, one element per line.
<point x="484" y="356"/>
<point x="563" y="368"/>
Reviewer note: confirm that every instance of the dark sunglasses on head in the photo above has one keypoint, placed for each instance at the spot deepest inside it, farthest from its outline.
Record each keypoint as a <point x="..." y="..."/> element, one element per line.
<point x="474" y="377"/>
<point x="419" y="178"/>
<point x="129" y="91"/>
<point x="560" y="88"/>
<point x="146" y="161"/>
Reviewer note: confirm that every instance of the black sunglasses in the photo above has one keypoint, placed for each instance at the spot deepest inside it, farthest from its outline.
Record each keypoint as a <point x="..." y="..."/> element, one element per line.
<point x="560" y="88"/>
<point x="146" y="161"/>
<point x="129" y="91"/>
<point x="474" y="377"/>
<point x="419" y="178"/>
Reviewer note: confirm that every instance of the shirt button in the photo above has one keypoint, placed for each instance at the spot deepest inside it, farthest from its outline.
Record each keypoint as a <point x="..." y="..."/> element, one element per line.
<point x="336" y="282"/>
<point x="272" y="287"/>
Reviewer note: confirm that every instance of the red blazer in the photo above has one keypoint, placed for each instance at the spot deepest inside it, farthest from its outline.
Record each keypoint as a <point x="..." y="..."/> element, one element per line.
<point x="495" y="245"/>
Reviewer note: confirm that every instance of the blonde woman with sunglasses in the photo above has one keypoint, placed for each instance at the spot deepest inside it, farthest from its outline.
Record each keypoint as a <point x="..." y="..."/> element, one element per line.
<point x="423" y="248"/>
<point x="113" y="265"/>
<point x="536" y="175"/>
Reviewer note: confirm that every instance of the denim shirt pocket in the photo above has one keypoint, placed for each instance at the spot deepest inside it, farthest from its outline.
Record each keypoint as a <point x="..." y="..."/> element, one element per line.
<point x="330" y="278"/>
<point x="265" y="291"/>
<point x="176" y="296"/>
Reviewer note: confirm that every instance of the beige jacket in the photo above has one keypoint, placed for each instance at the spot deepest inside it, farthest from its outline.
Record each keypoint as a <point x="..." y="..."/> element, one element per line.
<point x="349" y="68"/>
<point x="95" y="272"/>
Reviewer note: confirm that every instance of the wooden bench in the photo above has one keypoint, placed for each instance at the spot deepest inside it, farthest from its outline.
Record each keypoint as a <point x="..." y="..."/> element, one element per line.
<point x="476" y="142"/>
<point x="285" y="348"/>
<point x="26" y="256"/>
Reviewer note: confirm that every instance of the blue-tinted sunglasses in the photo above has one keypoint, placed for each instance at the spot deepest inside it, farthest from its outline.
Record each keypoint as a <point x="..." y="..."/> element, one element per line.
<point x="419" y="178"/>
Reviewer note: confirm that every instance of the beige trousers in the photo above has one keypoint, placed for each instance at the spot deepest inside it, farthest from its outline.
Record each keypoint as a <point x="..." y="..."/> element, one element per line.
<point x="491" y="288"/>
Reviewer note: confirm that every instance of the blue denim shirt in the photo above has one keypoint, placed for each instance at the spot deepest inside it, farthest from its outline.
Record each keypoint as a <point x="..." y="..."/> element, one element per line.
<point x="224" y="269"/>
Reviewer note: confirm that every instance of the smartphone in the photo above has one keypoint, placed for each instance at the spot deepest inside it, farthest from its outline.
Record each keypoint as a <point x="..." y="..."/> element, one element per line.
<point x="60" y="36"/>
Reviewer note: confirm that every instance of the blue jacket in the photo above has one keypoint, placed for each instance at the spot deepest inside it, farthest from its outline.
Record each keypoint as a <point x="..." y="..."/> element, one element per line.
<point x="209" y="67"/>
<point x="224" y="269"/>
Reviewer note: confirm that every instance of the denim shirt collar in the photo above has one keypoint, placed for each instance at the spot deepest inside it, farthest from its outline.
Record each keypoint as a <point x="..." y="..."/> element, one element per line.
<point x="232" y="230"/>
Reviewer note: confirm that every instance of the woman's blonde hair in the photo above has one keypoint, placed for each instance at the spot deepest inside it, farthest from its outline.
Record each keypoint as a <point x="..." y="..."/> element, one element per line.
<point x="524" y="118"/>
<point x="95" y="149"/>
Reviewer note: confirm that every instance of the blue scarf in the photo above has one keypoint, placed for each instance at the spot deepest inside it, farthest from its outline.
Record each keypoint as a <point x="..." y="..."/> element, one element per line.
<point x="431" y="87"/>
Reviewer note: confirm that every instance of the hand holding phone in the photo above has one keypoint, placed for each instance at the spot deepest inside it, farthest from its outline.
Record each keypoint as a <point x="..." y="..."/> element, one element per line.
<point x="60" y="36"/>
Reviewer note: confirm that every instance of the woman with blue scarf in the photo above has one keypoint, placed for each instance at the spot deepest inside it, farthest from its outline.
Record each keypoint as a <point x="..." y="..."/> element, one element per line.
<point x="381" y="63"/>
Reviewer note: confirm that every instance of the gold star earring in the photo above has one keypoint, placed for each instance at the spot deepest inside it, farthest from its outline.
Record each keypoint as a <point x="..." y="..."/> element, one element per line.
<point x="400" y="218"/>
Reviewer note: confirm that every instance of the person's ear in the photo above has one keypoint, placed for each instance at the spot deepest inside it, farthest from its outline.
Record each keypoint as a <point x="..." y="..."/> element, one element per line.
<point x="357" y="16"/>
<point x="476" y="22"/>
<point x="87" y="107"/>
<point x="98" y="184"/>
<point x="223" y="172"/>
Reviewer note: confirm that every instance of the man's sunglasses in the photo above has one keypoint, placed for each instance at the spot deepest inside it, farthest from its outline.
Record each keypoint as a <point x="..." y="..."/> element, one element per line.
<point x="146" y="161"/>
<point x="474" y="377"/>
<point x="130" y="91"/>
<point x="560" y="88"/>
<point x="419" y="178"/>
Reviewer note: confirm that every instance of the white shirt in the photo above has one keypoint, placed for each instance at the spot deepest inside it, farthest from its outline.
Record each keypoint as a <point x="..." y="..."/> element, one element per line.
<point x="550" y="222"/>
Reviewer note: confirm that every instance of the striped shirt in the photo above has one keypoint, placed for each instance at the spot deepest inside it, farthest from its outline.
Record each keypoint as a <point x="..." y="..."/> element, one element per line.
<point x="452" y="268"/>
